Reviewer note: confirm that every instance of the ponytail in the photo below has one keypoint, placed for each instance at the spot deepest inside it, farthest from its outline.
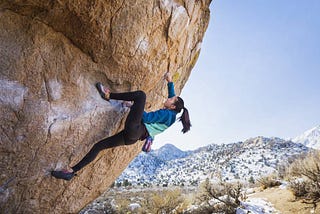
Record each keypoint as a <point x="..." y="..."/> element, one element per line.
<point x="185" y="120"/>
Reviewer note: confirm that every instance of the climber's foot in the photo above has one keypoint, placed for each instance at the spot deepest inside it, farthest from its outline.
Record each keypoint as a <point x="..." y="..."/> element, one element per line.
<point x="103" y="91"/>
<point x="64" y="174"/>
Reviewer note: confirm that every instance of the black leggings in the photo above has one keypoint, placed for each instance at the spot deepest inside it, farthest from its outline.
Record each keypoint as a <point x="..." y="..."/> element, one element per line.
<point x="134" y="129"/>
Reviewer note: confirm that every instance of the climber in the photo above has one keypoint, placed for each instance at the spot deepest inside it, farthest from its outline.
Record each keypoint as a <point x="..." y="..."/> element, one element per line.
<point x="139" y="125"/>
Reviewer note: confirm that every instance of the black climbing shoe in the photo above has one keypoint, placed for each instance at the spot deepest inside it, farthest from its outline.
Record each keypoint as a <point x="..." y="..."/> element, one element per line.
<point x="63" y="175"/>
<point x="104" y="92"/>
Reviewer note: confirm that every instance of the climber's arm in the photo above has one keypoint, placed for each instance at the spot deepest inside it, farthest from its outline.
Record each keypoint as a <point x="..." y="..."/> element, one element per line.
<point x="170" y="84"/>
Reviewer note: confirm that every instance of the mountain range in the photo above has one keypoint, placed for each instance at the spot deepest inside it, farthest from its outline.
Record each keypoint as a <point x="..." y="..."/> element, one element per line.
<point x="310" y="138"/>
<point x="245" y="161"/>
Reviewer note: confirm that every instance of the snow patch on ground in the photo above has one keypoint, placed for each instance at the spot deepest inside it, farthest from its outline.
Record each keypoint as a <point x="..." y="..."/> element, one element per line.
<point x="284" y="185"/>
<point x="256" y="206"/>
<point x="134" y="206"/>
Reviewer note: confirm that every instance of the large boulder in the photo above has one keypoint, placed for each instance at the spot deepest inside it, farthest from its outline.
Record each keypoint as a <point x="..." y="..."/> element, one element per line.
<point x="51" y="55"/>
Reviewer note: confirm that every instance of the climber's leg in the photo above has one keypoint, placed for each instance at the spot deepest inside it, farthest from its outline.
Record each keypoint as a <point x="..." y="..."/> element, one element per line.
<point x="63" y="174"/>
<point x="113" y="141"/>
<point x="138" y="97"/>
<point x="110" y="142"/>
<point x="134" y="128"/>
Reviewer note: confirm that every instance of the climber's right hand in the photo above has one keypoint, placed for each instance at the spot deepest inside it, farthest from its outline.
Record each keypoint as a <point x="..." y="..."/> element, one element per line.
<point x="168" y="77"/>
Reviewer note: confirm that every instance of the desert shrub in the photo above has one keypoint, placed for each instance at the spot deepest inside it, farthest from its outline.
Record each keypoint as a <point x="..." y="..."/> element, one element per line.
<point x="220" y="197"/>
<point x="167" y="201"/>
<point x="162" y="201"/>
<point x="299" y="187"/>
<point x="304" y="176"/>
<point x="268" y="181"/>
<point x="251" y="180"/>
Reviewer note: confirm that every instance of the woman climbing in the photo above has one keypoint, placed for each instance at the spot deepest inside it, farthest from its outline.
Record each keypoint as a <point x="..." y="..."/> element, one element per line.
<point x="139" y="125"/>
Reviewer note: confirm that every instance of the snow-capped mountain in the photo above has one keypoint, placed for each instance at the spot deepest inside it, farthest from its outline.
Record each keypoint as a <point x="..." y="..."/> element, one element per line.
<point x="244" y="161"/>
<point x="169" y="152"/>
<point x="146" y="165"/>
<point x="310" y="138"/>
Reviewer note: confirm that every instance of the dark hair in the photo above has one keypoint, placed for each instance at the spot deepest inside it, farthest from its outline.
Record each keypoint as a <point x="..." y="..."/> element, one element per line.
<point x="179" y="104"/>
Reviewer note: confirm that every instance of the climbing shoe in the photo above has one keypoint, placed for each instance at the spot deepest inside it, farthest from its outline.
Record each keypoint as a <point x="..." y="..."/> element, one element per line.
<point x="104" y="92"/>
<point x="64" y="174"/>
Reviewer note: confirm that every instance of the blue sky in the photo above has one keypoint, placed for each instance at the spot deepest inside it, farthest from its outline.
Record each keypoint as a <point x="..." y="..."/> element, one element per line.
<point x="258" y="74"/>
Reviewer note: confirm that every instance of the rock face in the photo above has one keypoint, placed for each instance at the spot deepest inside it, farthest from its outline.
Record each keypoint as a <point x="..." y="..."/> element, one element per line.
<point x="51" y="55"/>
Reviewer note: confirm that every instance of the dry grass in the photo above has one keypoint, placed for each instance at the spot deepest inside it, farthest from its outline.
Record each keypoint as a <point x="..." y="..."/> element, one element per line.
<point x="269" y="181"/>
<point x="166" y="201"/>
<point x="284" y="201"/>
<point x="150" y="200"/>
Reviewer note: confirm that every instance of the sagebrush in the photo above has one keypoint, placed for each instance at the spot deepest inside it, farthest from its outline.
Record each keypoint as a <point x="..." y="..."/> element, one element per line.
<point x="304" y="179"/>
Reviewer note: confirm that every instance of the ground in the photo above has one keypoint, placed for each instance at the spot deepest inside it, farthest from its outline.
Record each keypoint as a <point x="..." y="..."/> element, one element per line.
<point x="284" y="201"/>
<point x="278" y="200"/>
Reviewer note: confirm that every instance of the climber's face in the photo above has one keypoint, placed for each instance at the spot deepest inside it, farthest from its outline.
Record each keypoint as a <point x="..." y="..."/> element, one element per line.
<point x="169" y="103"/>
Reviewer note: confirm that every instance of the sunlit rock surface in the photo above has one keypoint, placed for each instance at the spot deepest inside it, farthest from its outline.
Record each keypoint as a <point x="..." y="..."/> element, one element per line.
<point x="51" y="55"/>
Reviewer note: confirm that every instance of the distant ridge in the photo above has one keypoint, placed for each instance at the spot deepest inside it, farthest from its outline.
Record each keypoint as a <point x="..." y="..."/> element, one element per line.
<point x="170" y="152"/>
<point x="245" y="161"/>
